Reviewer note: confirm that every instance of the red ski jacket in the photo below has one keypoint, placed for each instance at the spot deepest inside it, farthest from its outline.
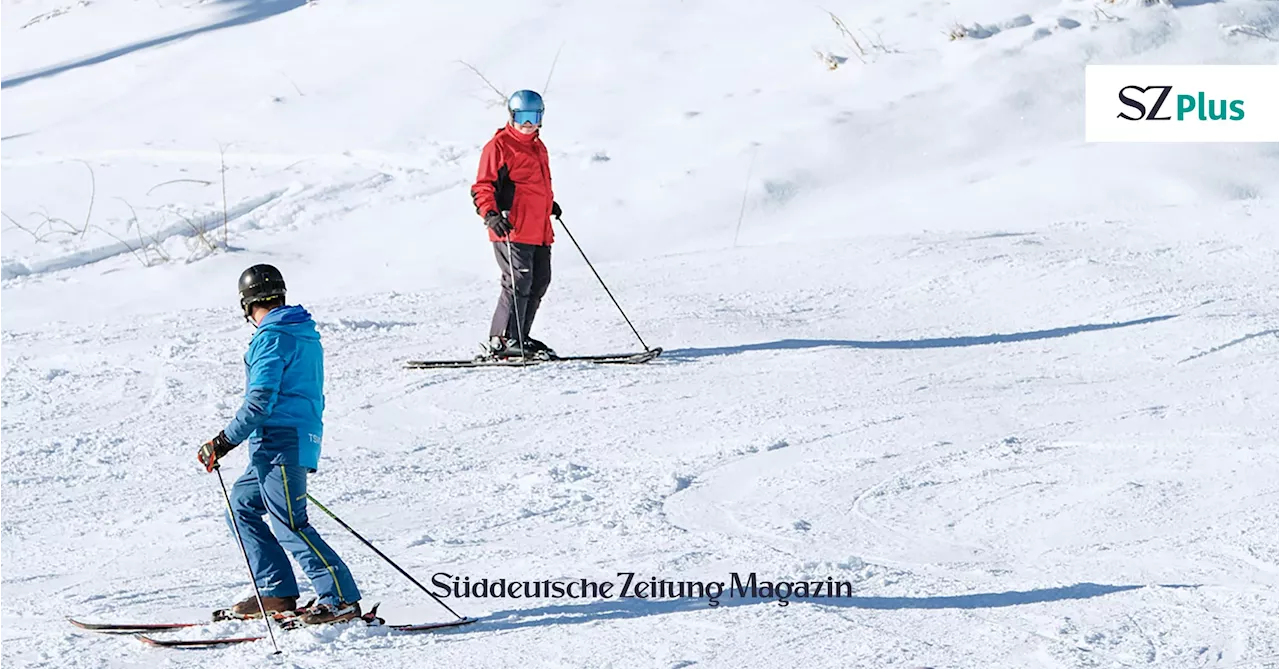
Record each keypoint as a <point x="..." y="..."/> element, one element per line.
<point x="515" y="177"/>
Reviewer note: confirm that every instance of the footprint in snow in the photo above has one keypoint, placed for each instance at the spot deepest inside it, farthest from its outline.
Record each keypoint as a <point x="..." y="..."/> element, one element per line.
<point x="981" y="31"/>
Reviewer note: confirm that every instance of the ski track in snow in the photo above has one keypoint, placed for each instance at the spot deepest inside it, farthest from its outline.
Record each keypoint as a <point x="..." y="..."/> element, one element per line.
<point x="1018" y="391"/>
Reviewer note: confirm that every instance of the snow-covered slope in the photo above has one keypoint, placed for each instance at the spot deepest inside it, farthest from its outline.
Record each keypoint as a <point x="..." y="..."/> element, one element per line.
<point x="1018" y="389"/>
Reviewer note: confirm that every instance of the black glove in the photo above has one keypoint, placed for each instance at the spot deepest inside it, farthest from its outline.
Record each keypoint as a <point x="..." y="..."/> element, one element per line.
<point x="499" y="225"/>
<point x="555" y="209"/>
<point x="213" y="449"/>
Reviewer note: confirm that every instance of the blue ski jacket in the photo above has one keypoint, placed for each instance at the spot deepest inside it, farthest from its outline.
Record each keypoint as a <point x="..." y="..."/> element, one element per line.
<point x="284" y="391"/>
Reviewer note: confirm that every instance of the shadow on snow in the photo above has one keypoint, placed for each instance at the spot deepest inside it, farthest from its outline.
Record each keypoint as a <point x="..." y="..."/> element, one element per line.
<point x="906" y="344"/>
<point x="624" y="608"/>
<point x="243" y="12"/>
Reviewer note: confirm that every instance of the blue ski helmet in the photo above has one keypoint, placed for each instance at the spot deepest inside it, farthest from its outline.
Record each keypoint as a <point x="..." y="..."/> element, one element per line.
<point x="525" y="107"/>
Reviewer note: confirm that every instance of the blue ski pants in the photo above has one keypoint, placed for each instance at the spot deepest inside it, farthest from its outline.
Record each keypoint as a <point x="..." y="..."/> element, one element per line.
<point x="280" y="492"/>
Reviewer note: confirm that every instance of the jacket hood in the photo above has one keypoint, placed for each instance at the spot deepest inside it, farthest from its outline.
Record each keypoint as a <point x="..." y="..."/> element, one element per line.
<point x="292" y="319"/>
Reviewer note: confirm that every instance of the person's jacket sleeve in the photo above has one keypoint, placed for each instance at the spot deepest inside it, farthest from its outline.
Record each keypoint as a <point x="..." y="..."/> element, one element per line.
<point x="483" y="191"/>
<point x="266" y="358"/>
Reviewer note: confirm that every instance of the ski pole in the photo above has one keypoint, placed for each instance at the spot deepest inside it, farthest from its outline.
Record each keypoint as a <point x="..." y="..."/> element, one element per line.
<point x="606" y="288"/>
<point x="347" y="527"/>
<point x="515" y="299"/>
<point x="252" y="579"/>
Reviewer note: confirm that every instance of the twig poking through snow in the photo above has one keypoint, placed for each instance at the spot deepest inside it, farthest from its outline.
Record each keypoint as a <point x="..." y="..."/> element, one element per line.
<point x="1250" y="31"/>
<point x="857" y="46"/>
<point x="52" y="14"/>
<point x="1101" y="15"/>
<point x="295" y="85"/>
<point x="93" y="193"/>
<point x="745" y="187"/>
<point x="202" y="182"/>
<point x="553" y="70"/>
<point x="142" y="244"/>
<point x="35" y="234"/>
<point x="198" y="230"/>
<point x="485" y="79"/>
<point x="223" y="164"/>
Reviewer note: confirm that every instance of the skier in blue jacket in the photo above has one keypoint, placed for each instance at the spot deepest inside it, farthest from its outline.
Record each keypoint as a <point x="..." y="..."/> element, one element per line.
<point x="282" y="419"/>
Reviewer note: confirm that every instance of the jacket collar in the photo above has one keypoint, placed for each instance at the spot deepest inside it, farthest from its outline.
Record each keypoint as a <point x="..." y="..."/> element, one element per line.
<point x="520" y="136"/>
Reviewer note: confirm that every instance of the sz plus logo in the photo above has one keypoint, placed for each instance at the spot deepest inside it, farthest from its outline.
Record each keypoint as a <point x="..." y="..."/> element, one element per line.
<point x="1182" y="103"/>
<point x="1187" y="106"/>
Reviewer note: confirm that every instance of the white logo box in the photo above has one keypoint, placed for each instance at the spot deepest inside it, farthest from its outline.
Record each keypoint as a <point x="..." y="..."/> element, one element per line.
<point x="1257" y="87"/>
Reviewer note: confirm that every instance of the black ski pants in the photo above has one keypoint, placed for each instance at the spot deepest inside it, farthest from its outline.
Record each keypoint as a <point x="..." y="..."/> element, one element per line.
<point x="531" y="267"/>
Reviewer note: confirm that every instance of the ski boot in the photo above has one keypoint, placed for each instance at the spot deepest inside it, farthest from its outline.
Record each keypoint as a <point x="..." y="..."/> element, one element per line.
<point x="501" y="348"/>
<point x="248" y="609"/>
<point x="325" y="614"/>
<point x="539" y="349"/>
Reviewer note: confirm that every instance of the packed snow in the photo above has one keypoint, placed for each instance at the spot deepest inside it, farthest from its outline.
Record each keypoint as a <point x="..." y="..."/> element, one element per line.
<point x="1015" y="393"/>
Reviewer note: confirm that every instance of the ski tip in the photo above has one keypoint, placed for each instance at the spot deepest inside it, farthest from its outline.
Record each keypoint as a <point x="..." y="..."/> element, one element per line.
<point x="196" y="643"/>
<point x="126" y="628"/>
<point x="95" y="627"/>
<point x="427" y="627"/>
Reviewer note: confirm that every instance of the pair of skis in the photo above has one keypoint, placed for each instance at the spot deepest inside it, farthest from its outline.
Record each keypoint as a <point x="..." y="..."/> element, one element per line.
<point x="636" y="358"/>
<point x="143" y="631"/>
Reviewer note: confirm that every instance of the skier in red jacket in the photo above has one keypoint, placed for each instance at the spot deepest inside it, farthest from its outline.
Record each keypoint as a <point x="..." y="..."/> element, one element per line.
<point x="513" y="193"/>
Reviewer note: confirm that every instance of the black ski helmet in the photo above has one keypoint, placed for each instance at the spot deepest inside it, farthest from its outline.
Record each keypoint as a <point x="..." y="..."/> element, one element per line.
<point x="259" y="284"/>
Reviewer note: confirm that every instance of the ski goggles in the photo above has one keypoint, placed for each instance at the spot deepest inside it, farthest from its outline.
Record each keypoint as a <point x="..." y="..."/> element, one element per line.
<point x="523" y="117"/>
